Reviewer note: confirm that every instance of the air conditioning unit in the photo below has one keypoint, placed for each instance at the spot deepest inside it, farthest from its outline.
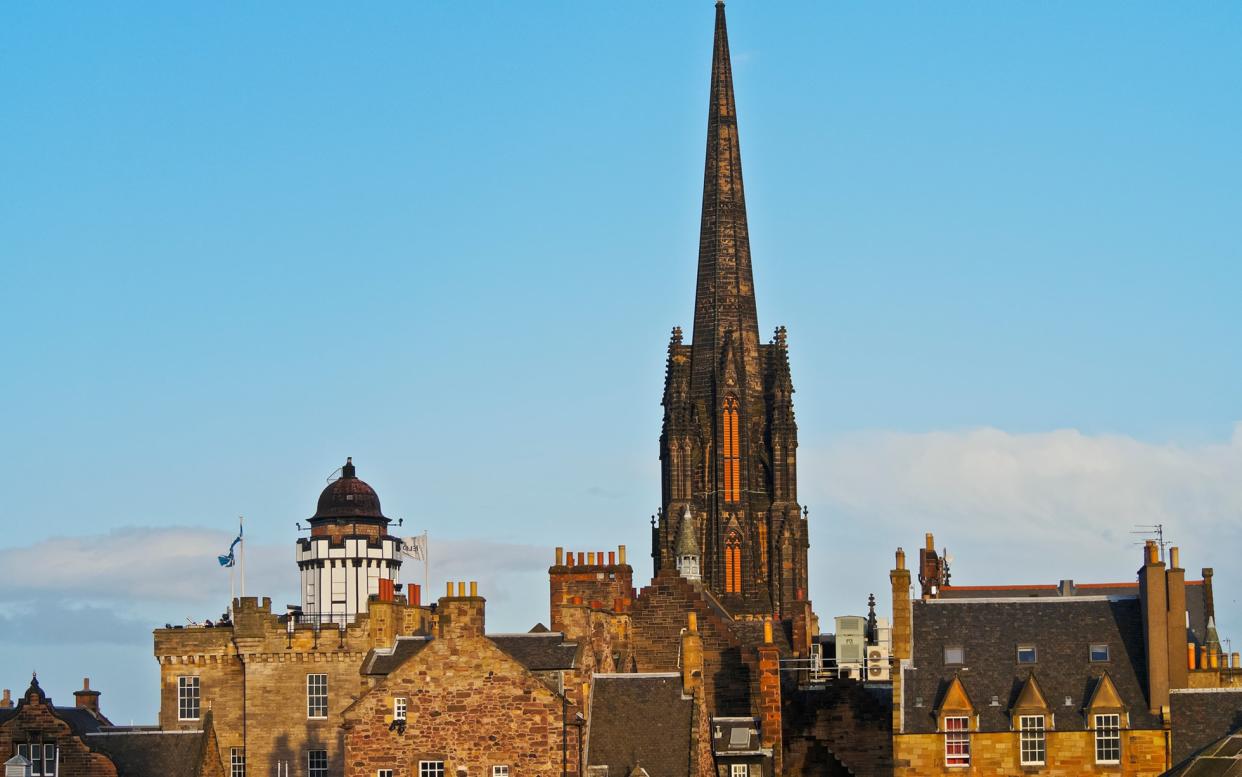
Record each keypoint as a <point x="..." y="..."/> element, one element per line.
<point x="878" y="666"/>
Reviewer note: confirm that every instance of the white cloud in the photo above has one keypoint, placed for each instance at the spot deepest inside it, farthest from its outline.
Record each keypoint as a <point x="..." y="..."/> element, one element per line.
<point x="169" y="574"/>
<point x="1019" y="508"/>
<point x="132" y="565"/>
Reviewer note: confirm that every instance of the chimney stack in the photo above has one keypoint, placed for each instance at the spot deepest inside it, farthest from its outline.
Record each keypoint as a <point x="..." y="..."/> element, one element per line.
<point x="85" y="698"/>
<point x="769" y="696"/>
<point x="1153" y="593"/>
<point x="7" y="702"/>
<point x="461" y="616"/>
<point x="691" y="657"/>
<point x="1175" y="620"/>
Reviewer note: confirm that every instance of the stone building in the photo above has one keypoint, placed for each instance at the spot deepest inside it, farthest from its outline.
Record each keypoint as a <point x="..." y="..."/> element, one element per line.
<point x="463" y="702"/>
<point x="728" y="448"/>
<point x="39" y="739"/>
<point x="1066" y="679"/>
<point x="277" y="683"/>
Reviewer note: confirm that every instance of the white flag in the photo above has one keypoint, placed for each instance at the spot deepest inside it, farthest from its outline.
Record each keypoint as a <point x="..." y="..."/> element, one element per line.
<point x="415" y="547"/>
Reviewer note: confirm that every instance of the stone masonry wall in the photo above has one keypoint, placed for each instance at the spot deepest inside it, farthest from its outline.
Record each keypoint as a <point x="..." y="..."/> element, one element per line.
<point x="1070" y="754"/>
<point x="842" y="719"/>
<point x="469" y="705"/>
<point x="659" y="615"/>
<point x="258" y="666"/>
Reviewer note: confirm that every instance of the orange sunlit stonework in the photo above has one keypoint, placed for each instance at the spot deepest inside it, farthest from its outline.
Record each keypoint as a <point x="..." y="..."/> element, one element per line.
<point x="732" y="474"/>
<point x="733" y="563"/>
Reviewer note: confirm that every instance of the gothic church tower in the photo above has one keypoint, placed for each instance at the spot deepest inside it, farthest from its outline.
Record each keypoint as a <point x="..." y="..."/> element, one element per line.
<point x="728" y="449"/>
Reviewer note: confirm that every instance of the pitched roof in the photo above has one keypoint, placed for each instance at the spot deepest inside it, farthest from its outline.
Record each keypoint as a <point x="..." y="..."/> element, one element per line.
<point x="1062" y="629"/>
<point x="538" y="652"/>
<point x="1104" y="695"/>
<point x="955" y="698"/>
<point x="1196" y="596"/>
<point x="1222" y="758"/>
<point x="1201" y="716"/>
<point x="1031" y="697"/>
<point x="640" y="721"/>
<point x="81" y="721"/>
<point x="381" y="661"/>
<point x="146" y="753"/>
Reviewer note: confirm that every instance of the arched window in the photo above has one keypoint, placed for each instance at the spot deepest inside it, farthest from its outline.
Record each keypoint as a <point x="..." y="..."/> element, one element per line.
<point x="733" y="563"/>
<point x="732" y="469"/>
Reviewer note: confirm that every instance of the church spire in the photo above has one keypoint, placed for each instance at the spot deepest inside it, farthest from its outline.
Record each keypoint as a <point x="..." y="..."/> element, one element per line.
<point x="724" y="307"/>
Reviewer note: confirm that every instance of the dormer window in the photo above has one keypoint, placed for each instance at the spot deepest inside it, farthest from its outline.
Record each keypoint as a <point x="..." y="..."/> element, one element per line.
<point x="1026" y="654"/>
<point x="954" y="655"/>
<point x="1099" y="654"/>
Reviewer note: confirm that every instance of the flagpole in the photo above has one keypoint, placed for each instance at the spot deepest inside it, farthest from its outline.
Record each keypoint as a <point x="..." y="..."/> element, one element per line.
<point x="241" y="533"/>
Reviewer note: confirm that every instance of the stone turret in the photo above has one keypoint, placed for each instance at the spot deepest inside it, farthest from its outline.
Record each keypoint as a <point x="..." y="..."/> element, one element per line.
<point x="688" y="553"/>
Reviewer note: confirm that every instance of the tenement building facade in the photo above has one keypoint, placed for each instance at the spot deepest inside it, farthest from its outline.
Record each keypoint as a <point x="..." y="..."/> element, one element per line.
<point x="1064" y="679"/>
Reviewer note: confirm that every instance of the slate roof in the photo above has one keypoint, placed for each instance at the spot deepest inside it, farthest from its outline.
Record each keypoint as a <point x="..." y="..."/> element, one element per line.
<point x="80" y="720"/>
<point x="1062" y="629"/>
<point x="538" y="652"/>
<point x="146" y="753"/>
<point x="1196" y="596"/>
<point x="640" y="720"/>
<point x="1222" y="758"/>
<point x="382" y="661"/>
<point x="1201" y="716"/>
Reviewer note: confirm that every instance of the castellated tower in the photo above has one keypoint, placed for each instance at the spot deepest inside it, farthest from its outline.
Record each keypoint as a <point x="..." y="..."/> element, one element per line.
<point x="349" y="551"/>
<point x="728" y="449"/>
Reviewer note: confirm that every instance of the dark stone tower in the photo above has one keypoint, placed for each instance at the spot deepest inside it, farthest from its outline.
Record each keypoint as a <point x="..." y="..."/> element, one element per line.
<point x="729" y="445"/>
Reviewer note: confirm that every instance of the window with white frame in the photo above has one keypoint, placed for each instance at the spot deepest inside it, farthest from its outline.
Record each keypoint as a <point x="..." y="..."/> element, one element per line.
<point x="957" y="741"/>
<point x="42" y="757"/>
<point x="188" y="699"/>
<point x="1099" y="653"/>
<point x="739" y="770"/>
<point x="1026" y="654"/>
<point x="954" y="655"/>
<point x="1108" y="739"/>
<point x="316" y="696"/>
<point x="383" y="773"/>
<point x="430" y="769"/>
<point x="500" y="770"/>
<point x="317" y="763"/>
<point x="237" y="762"/>
<point x="1032" y="747"/>
<point x="398" y="708"/>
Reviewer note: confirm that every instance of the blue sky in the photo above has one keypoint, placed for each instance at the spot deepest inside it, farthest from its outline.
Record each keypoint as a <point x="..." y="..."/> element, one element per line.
<point x="239" y="244"/>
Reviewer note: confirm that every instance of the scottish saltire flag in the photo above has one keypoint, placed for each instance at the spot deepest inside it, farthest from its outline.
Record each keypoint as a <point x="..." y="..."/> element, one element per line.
<point x="229" y="560"/>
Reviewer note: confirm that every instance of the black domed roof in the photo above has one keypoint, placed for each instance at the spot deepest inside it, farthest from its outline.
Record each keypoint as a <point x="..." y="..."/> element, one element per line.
<point x="348" y="497"/>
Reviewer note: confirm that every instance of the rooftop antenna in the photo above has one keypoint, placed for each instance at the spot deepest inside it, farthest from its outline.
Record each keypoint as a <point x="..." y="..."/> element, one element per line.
<point x="1151" y="531"/>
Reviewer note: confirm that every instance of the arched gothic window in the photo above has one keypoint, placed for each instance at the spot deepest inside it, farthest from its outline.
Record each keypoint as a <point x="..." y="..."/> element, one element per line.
<point x="732" y="469"/>
<point x="733" y="563"/>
